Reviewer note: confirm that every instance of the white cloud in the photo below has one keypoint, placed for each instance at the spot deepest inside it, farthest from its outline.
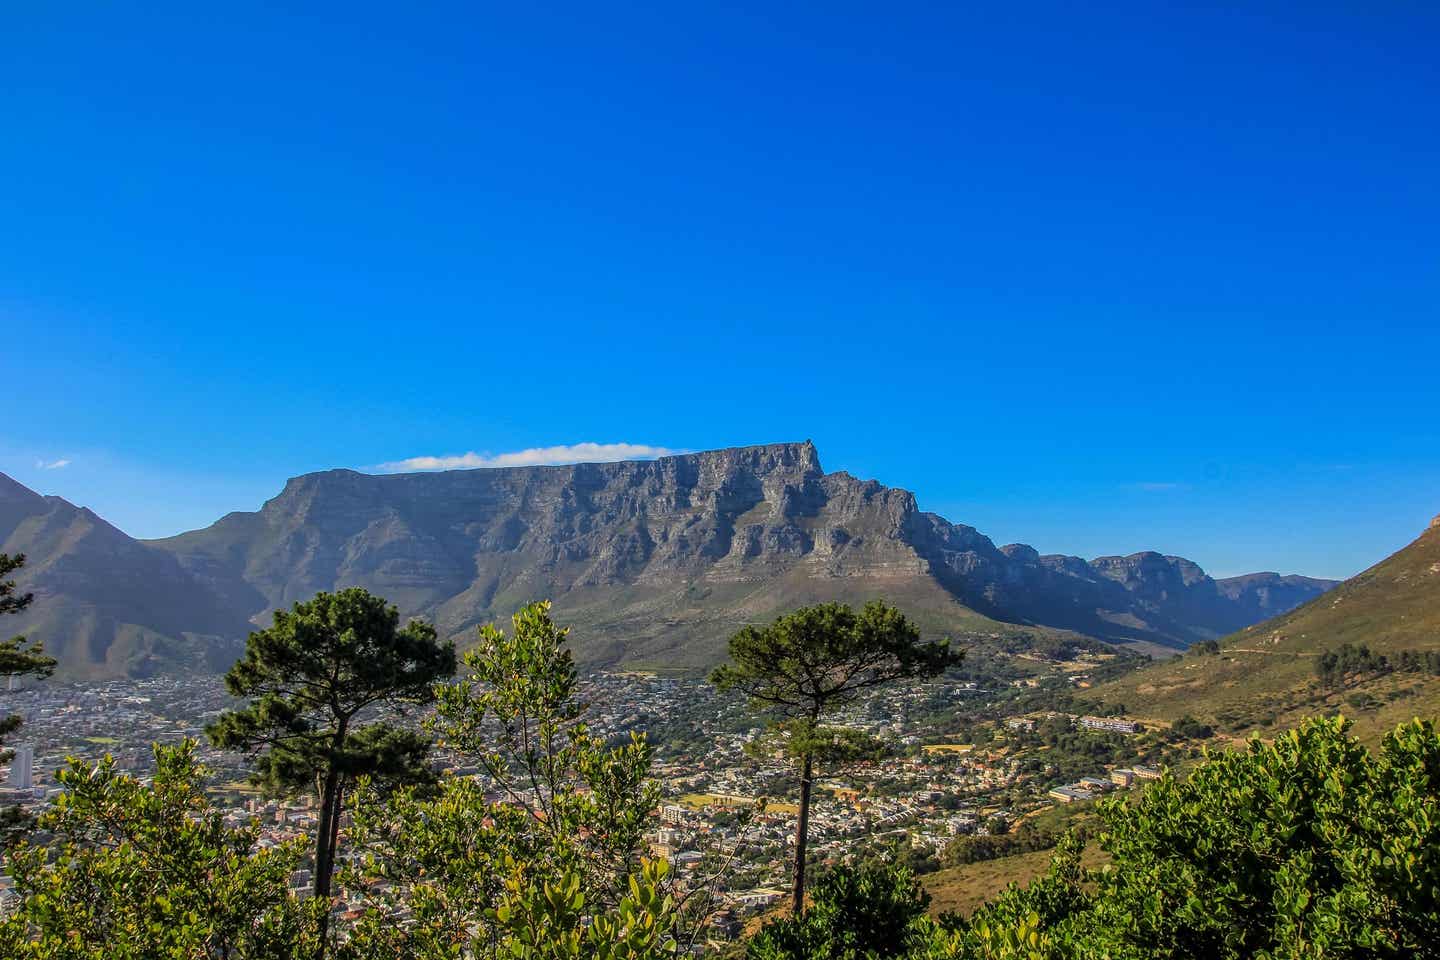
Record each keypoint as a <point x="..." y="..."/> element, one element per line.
<point x="1154" y="486"/>
<point x="52" y="464"/>
<point x="535" y="456"/>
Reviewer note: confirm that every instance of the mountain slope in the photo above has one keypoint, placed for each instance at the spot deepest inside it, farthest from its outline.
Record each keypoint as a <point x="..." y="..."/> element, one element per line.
<point x="1266" y="674"/>
<point x="655" y="563"/>
<point x="659" y="561"/>
<point x="105" y="604"/>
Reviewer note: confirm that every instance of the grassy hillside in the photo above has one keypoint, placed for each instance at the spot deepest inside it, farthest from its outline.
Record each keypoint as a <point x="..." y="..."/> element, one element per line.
<point x="685" y="630"/>
<point x="1264" y="677"/>
<point x="962" y="889"/>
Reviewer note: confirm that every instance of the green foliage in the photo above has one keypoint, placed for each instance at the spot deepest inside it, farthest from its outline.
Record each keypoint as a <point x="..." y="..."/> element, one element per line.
<point x="1027" y="838"/>
<point x="828" y="746"/>
<point x="1075" y="751"/>
<point x="544" y="920"/>
<point x="1309" y="846"/>
<point x="513" y="878"/>
<point x="888" y="850"/>
<point x="140" y="870"/>
<point x="1351" y="661"/>
<point x="513" y="710"/>
<point x="313" y="672"/>
<point x="1419" y="661"/>
<point x="312" y="678"/>
<point x="11" y="601"/>
<point x="1335" y="666"/>
<point x="820" y="658"/>
<point x="1189" y="728"/>
<point x="862" y="913"/>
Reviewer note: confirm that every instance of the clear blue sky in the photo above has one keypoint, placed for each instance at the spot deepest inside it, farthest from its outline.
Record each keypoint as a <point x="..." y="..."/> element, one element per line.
<point x="1094" y="277"/>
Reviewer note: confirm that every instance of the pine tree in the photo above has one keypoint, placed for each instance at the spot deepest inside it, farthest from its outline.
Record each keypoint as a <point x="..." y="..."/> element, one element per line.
<point x="315" y="680"/>
<point x="810" y="663"/>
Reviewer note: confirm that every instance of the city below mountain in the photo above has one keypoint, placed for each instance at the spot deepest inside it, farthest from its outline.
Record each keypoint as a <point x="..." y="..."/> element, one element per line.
<point x="655" y="563"/>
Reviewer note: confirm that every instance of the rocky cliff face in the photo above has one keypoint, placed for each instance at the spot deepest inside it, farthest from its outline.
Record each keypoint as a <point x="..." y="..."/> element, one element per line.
<point x="659" y="561"/>
<point x="698" y="543"/>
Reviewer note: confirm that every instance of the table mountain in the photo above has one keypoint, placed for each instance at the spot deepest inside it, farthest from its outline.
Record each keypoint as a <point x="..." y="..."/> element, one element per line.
<point x="657" y="562"/>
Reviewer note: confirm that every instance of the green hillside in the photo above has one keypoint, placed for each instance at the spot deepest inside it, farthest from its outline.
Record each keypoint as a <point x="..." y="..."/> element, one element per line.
<point x="1265" y="677"/>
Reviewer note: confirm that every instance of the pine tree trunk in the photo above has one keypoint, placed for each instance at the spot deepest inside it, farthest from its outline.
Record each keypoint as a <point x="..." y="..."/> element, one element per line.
<point x="325" y="853"/>
<point x="802" y="827"/>
<point x="337" y="812"/>
<point x="325" y="831"/>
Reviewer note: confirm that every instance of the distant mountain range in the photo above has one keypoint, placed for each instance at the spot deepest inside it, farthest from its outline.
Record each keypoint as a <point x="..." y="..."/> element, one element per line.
<point x="655" y="563"/>
<point x="1264" y="674"/>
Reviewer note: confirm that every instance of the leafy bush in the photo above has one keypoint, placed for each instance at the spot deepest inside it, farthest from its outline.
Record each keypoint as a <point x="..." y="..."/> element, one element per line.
<point x="862" y="913"/>
<point x="138" y="870"/>
<point x="1026" y="839"/>
<point x="553" y="871"/>
<point x="1188" y="728"/>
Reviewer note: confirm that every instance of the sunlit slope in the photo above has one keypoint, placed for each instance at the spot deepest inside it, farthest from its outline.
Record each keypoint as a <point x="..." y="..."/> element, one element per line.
<point x="1265" y="675"/>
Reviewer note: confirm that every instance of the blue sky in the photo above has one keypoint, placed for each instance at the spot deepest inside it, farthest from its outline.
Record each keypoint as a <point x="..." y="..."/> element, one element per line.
<point x="1095" y="278"/>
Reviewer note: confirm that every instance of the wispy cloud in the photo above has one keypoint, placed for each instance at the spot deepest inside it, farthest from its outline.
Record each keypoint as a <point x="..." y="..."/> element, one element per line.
<point x="52" y="464"/>
<point x="535" y="456"/>
<point x="1158" y="486"/>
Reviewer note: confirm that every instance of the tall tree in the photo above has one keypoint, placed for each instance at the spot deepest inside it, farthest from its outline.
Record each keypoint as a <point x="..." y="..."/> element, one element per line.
<point x="315" y="680"/>
<point x="18" y="658"/>
<point x="808" y="664"/>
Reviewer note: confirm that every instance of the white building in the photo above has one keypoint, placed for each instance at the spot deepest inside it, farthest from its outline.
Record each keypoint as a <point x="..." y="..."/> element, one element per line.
<point x="22" y="769"/>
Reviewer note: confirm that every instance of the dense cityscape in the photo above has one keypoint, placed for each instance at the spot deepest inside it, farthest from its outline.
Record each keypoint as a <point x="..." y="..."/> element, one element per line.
<point x="958" y="760"/>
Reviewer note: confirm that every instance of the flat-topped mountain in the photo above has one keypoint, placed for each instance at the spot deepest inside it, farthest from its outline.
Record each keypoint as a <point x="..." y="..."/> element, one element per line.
<point x="657" y="562"/>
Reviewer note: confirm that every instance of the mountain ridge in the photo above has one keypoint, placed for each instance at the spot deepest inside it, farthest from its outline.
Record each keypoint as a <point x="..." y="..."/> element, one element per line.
<point x="1263" y="674"/>
<point x="658" y="561"/>
<point x="105" y="603"/>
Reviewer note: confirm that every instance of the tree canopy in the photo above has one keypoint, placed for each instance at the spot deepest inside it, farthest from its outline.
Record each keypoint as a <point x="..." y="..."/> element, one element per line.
<point x="471" y="874"/>
<point x="810" y="663"/>
<point x="314" y="679"/>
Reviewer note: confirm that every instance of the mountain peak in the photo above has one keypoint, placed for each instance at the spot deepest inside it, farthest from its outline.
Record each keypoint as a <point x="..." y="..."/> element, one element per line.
<point x="12" y="490"/>
<point x="767" y="458"/>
